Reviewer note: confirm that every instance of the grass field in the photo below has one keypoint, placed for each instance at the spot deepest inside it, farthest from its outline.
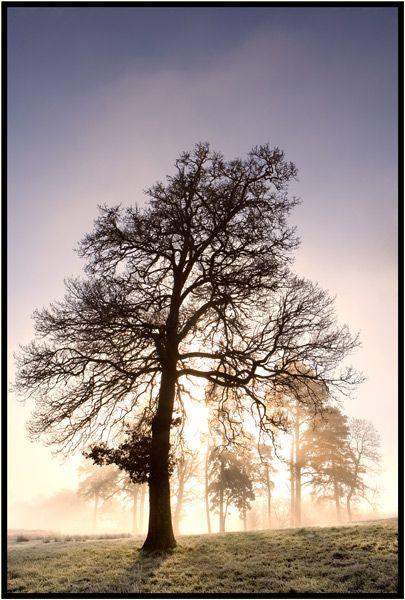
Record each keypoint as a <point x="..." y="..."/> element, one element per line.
<point x="359" y="558"/>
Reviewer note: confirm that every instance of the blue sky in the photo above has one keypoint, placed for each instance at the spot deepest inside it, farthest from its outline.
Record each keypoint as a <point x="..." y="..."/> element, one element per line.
<point x="102" y="100"/>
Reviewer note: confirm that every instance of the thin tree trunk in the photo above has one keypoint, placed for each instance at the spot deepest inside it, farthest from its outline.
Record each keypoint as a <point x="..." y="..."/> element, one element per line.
<point x="244" y="521"/>
<point x="297" y="466"/>
<point x="207" y="505"/>
<point x="96" y="499"/>
<point x="142" y="506"/>
<point x="268" y="498"/>
<point x="179" y="500"/>
<point x="297" y="496"/>
<point x="353" y="487"/>
<point x="160" y="532"/>
<point x="349" y="508"/>
<point x="221" y="497"/>
<point x="292" y="483"/>
<point x="134" y="510"/>
<point x="337" y="503"/>
<point x="225" y="515"/>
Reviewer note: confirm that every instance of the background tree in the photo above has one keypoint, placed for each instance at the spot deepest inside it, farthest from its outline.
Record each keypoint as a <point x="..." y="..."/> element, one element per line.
<point x="132" y="491"/>
<point x="185" y="470"/>
<point x="143" y="494"/>
<point x="265" y="472"/>
<point x="325" y="446"/>
<point x="195" y="284"/>
<point x="281" y="506"/>
<point x="364" y="459"/>
<point x="207" y="454"/>
<point x="231" y="482"/>
<point x="301" y="408"/>
<point x="98" y="485"/>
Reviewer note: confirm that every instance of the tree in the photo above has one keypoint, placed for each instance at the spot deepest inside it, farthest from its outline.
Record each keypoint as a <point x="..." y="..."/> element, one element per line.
<point x="206" y="485"/>
<point x="325" y="446"/>
<point x="281" y="511"/>
<point x="244" y="486"/>
<point x="301" y="414"/>
<point x="195" y="284"/>
<point x="364" y="459"/>
<point x="185" y="470"/>
<point x="144" y="489"/>
<point x="98" y="484"/>
<point x="131" y="490"/>
<point x="303" y="404"/>
<point x="231" y="482"/>
<point x="265" y="472"/>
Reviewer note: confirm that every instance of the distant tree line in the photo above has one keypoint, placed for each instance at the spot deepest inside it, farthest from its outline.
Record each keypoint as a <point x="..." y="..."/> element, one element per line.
<point x="331" y="456"/>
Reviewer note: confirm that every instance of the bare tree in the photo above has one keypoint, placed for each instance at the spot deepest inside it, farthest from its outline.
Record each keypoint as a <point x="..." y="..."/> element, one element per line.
<point x="184" y="471"/>
<point x="281" y="511"/>
<point x="364" y="459"/>
<point x="144" y="489"/>
<point x="98" y="484"/>
<point x="196" y="284"/>
<point x="131" y="490"/>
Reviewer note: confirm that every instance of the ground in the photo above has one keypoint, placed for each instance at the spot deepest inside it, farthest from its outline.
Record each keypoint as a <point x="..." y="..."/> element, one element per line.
<point x="358" y="558"/>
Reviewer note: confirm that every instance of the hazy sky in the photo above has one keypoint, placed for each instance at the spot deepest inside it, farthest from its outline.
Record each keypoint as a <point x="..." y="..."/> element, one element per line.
<point x="102" y="100"/>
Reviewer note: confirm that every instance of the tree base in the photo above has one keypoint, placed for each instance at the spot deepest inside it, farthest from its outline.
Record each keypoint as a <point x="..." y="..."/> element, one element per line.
<point x="159" y="544"/>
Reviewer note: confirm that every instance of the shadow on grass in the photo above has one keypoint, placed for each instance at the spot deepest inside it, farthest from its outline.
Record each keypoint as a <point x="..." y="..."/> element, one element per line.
<point x="144" y="567"/>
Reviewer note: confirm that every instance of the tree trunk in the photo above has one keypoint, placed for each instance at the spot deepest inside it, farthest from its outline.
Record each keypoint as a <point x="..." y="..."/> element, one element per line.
<point x="349" y="508"/>
<point x="298" y="496"/>
<point x="160" y="532"/>
<point x="179" y="500"/>
<point x="292" y="484"/>
<point x="134" y="508"/>
<point x="225" y="515"/>
<point x="95" y="512"/>
<point x="297" y="466"/>
<point x="244" y="521"/>
<point x="337" y="503"/>
<point x="207" y="505"/>
<point x="221" y="498"/>
<point x="353" y="487"/>
<point x="268" y="498"/>
<point x="142" y="506"/>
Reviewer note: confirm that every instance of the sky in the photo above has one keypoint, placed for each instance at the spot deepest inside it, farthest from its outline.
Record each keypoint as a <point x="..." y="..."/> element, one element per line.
<point x="102" y="100"/>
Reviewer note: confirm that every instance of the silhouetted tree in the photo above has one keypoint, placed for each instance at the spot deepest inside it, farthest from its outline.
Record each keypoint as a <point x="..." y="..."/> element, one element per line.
<point x="231" y="482"/>
<point x="98" y="485"/>
<point x="364" y="459"/>
<point x="195" y="284"/>
<point x="327" y="466"/>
